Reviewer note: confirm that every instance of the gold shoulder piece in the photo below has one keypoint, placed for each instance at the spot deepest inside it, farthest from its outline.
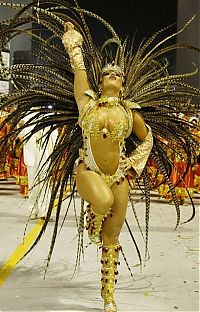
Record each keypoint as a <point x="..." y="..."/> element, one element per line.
<point x="131" y="105"/>
<point x="91" y="94"/>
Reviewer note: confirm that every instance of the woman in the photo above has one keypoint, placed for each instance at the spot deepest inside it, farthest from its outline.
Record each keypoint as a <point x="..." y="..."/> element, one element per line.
<point x="101" y="177"/>
<point x="105" y="130"/>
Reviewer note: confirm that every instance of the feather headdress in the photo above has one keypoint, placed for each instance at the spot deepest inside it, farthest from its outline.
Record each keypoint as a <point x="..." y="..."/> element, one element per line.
<point x="160" y="95"/>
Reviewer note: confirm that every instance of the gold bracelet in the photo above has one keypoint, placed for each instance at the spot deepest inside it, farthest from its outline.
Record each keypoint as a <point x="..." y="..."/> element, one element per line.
<point x="139" y="157"/>
<point x="72" y="41"/>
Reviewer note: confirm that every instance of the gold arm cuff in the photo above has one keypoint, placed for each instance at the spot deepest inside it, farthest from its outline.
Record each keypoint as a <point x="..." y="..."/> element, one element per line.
<point x="140" y="156"/>
<point x="76" y="59"/>
<point x="72" y="41"/>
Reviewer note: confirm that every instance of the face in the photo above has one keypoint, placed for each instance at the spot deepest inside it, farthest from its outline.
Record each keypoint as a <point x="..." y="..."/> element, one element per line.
<point x="111" y="80"/>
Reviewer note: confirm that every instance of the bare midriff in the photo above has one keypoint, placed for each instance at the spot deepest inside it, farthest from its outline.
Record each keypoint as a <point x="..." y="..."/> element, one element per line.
<point x="105" y="124"/>
<point x="106" y="154"/>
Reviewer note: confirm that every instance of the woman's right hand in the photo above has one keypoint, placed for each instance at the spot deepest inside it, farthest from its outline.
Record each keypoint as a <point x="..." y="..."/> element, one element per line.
<point x="71" y="38"/>
<point x="68" y="26"/>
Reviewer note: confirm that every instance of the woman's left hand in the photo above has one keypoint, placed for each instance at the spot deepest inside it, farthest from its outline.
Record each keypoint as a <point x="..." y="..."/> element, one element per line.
<point x="126" y="166"/>
<point x="124" y="163"/>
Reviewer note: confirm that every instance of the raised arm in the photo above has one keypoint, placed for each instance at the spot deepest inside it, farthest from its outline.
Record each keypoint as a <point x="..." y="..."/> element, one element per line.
<point x="72" y="41"/>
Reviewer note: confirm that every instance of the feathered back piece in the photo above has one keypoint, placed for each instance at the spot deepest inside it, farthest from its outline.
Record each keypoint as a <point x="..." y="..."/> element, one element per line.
<point x="46" y="86"/>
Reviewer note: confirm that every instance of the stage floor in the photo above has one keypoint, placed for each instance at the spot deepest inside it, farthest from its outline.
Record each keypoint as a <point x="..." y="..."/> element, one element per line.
<point x="169" y="280"/>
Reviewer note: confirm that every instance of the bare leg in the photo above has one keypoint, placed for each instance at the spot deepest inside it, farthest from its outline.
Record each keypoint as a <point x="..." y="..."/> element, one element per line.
<point x="93" y="189"/>
<point x="113" y="224"/>
<point x="110" y="250"/>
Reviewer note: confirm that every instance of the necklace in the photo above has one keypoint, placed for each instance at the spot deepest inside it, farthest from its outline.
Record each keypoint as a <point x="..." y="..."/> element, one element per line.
<point x="110" y="101"/>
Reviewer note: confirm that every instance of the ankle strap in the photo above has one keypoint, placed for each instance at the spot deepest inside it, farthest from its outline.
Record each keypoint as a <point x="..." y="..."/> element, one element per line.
<point x="111" y="248"/>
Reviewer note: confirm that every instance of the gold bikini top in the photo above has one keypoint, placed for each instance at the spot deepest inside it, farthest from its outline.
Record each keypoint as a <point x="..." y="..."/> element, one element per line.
<point x="92" y="118"/>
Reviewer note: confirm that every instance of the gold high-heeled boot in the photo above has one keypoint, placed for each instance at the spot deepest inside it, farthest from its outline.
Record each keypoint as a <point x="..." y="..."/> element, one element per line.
<point x="94" y="223"/>
<point x="109" y="272"/>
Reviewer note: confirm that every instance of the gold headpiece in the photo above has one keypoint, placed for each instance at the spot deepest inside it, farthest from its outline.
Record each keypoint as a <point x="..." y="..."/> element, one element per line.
<point x="112" y="67"/>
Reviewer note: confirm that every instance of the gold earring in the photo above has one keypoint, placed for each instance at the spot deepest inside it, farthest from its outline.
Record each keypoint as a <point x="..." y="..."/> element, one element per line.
<point x="100" y="91"/>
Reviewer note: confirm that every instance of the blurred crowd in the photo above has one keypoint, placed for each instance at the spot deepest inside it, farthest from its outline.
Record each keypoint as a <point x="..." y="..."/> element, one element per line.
<point x="185" y="178"/>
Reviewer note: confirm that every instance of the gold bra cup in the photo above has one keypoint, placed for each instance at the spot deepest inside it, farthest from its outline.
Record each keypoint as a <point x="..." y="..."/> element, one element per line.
<point x="91" y="124"/>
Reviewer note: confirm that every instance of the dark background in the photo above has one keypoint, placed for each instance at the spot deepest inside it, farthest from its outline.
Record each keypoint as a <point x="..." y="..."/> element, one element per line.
<point x="135" y="19"/>
<point x="130" y="17"/>
<point x="138" y="19"/>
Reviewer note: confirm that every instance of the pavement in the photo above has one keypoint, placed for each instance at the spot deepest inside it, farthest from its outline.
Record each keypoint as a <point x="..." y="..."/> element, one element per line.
<point x="168" y="281"/>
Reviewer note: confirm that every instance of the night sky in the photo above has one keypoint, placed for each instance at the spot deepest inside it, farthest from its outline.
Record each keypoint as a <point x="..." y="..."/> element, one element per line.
<point x="139" y="18"/>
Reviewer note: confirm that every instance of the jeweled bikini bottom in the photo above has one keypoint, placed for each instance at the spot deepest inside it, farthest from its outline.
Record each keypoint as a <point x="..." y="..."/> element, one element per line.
<point x="88" y="159"/>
